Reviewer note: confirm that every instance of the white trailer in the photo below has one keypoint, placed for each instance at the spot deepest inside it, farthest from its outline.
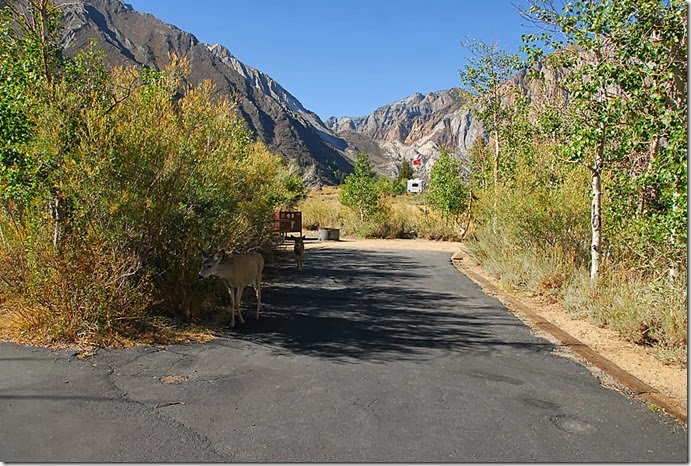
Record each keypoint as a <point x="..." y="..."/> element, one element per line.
<point x="415" y="185"/>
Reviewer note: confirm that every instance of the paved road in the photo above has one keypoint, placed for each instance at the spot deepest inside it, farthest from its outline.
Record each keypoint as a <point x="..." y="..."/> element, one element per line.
<point x="364" y="357"/>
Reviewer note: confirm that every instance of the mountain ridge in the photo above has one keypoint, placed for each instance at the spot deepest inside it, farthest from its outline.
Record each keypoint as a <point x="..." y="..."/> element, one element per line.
<point x="417" y="124"/>
<point x="129" y="37"/>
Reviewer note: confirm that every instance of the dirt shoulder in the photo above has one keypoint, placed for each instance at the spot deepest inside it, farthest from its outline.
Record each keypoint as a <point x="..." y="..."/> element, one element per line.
<point x="636" y="367"/>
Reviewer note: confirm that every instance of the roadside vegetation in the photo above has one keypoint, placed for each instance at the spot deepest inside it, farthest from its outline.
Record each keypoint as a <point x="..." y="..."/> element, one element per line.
<point x="371" y="206"/>
<point x="591" y="205"/>
<point x="578" y="194"/>
<point x="111" y="181"/>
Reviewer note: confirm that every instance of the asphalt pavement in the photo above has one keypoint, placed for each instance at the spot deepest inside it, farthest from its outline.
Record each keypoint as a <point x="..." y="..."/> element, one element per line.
<point x="365" y="356"/>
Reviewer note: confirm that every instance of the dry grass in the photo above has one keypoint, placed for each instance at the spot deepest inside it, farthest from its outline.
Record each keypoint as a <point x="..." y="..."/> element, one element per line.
<point x="157" y="331"/>
<point x="404" y="216"/>
<point x="643" y="311"/>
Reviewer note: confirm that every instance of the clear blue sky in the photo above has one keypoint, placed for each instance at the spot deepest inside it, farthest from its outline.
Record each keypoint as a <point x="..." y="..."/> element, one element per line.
<point x="348" y="57"/>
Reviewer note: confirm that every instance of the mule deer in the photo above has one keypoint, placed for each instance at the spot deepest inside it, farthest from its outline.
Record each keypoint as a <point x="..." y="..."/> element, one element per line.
<point x="299" y="249"/>
<point x="237" y="271"/>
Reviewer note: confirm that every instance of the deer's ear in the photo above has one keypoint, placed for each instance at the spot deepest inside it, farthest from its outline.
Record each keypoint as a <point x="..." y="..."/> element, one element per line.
<point x="205" y="255"/>
<point x="220" y="255"/>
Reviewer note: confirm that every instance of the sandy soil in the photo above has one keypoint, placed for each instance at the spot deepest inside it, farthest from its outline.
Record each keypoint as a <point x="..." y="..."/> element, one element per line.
<point x="638" y="361"/>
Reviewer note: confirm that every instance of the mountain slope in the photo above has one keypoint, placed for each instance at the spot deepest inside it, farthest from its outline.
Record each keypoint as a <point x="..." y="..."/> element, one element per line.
<point x="129" y="37"/>
<point x="418" y="124"/>
<point x="422" y="124"/>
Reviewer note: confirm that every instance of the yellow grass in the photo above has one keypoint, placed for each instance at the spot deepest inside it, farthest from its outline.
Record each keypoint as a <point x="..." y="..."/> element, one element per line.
<point x="404" y="216"/>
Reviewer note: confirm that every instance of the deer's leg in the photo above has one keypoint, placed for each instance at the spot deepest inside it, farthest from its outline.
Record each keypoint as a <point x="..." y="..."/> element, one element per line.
<point x="232" y="306"/>
<point x="258" y="292"/>
<point x="238" y="299"/>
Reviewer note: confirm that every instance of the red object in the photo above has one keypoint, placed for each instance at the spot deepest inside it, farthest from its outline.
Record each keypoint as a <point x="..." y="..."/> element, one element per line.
<point x="287" y="222"/>
<point x="417" y="160"/>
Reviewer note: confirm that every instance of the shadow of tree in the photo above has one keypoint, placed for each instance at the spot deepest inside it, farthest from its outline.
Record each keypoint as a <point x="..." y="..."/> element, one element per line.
<point x="354" y="305"/>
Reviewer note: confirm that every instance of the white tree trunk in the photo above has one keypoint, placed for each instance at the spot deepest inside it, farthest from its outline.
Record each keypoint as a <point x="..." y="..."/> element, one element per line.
<point x="595" y="221"/>
<point x="596" y="214"/>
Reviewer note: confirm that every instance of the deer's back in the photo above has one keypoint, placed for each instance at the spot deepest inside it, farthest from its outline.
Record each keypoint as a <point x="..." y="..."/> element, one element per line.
<point x="241" y="269"/>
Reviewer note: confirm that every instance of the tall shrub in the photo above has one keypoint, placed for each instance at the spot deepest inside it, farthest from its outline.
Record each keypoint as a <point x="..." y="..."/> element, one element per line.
<point x="447" y="192"/>
<point x="626" y="82"/>
<point x="132" y="172"/>
<point x="359" y="192"/>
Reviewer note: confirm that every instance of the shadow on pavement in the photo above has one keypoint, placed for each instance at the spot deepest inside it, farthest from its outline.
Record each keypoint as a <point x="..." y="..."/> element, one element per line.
<point x="376" y="306"/>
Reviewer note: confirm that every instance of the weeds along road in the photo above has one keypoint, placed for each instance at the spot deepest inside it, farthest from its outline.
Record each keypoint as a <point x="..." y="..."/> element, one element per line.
<point x="366" y="356"/>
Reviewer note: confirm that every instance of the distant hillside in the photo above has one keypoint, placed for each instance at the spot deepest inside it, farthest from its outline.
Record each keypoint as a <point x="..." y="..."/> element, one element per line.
<point x="422" y="124"/>
<point x="417" y="124"/>
<point x="274" y="115"/>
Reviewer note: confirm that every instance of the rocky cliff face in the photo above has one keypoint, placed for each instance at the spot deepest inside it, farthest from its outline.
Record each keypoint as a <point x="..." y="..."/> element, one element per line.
<point x="418" y="124"/>
<point x="129" y="37"/>
<point x="422" y="124"/>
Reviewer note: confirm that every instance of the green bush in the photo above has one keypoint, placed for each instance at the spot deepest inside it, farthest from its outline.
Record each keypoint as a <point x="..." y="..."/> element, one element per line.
<point x="537" y="238"/>
<point x="361" y="191"/>
<point x="447" y="192"/>
<point x="143" y="172"/>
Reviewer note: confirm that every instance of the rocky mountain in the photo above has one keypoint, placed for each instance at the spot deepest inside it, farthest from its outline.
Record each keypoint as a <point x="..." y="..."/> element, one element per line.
<point x="276" y="117"/>
<point x="419" y="124"/>
<point x="539" y="91"/>
<point x="422" y="124"/>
